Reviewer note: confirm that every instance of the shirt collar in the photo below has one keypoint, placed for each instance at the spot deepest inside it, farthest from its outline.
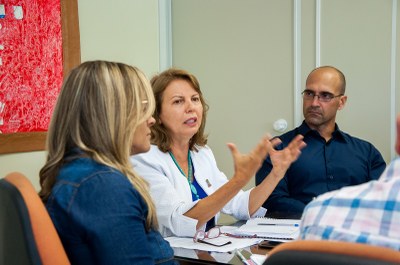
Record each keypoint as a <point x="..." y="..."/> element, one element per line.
<point x="304" y="129"/>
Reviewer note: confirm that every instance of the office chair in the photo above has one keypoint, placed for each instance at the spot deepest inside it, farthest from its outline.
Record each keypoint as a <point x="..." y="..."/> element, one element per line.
<point x="302" y="252"/>
<point x="27" y="234"/>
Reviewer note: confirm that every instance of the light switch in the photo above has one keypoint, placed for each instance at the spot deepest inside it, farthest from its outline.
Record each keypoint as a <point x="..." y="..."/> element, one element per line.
<point x="280" y="125"/>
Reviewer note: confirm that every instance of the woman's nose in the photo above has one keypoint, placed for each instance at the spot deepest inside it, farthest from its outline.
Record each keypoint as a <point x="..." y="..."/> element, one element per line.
<point x="189" y="106"/>
<point x="151" y="121"/>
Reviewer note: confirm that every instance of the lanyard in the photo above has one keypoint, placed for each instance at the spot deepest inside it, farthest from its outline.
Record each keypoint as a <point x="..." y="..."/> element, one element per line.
<point x="190" y="173"/>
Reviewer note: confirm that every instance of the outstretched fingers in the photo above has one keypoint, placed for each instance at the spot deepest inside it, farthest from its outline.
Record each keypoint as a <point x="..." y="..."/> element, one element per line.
<point x="281" y="159"/>
<point x="264" y="147"/>
<point x="275" y="141"/>
<point x="295" y="146"/>
<point x="234" y="151"/>
<point x="258" y="153"/>
<point x="246" y="165"/>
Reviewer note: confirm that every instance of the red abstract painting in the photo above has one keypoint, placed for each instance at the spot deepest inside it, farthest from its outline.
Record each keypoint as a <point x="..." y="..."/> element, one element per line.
<point x="31" y="67"/>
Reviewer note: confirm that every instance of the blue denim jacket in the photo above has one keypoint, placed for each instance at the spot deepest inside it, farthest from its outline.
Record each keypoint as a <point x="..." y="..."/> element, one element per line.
<point x="100" y="217"/>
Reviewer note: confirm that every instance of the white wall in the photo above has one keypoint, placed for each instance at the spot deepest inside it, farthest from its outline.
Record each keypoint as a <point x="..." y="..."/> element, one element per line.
<point x="28" y="163"/>
<point x="120" y="30"/>
<point x="244" y="54"/>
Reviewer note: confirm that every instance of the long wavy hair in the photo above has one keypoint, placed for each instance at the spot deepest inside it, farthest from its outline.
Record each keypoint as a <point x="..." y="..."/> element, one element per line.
<point x="98" y="111"/>
<point x="159" y="83"/>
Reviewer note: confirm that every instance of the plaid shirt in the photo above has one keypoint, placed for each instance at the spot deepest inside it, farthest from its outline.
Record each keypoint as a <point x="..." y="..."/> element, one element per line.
<point x="367" y="213"/>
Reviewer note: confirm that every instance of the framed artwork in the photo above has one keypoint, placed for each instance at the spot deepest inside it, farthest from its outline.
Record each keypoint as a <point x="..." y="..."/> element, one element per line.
<point x="39" y="45"/>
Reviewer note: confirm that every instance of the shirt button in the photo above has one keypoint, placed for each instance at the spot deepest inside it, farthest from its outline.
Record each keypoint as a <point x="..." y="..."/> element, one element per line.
<point x="330" y="177"/>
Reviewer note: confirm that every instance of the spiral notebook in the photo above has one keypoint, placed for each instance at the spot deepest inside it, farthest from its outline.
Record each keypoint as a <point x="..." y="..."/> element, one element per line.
<point x="270" y="228"/>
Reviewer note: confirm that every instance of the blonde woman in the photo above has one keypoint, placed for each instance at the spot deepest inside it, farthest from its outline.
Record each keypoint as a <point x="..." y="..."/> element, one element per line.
<point x="101" y="208"/>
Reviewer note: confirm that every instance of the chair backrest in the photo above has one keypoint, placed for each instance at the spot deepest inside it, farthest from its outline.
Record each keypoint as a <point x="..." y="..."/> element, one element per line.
<point x="324" y="252"/>
<point x="30" y="236"/>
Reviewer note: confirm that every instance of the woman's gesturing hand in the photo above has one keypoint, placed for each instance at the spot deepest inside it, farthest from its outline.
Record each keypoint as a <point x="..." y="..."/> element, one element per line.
<point x="246" y="165"/>
<point x="282" y="159"/>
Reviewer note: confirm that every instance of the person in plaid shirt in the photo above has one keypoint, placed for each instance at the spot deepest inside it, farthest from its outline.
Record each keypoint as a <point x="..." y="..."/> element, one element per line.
<point x="368" y="213"/>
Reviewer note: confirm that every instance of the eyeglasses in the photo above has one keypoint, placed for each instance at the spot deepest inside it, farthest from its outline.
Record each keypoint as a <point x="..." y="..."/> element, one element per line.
<point x="210" y="234"/>
<point x="214" y="232"/>
<point x="322" y="97"/>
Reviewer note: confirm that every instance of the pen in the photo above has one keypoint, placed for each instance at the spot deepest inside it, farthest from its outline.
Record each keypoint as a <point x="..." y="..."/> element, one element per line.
<point x="295" y="225"/>
<point x="241" y="257"/>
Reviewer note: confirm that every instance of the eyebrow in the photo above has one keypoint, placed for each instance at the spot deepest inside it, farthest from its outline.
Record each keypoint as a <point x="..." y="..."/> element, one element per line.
<point x="181" y="96"/>
<point x="176" y="96"/>
<point x="310" y="90"/>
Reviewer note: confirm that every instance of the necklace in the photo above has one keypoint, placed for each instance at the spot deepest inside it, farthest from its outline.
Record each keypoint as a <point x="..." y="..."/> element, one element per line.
<point x="190" y="173"/>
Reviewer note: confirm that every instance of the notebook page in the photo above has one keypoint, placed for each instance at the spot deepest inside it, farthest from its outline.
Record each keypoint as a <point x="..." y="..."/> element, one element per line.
<point x="271" y="228"/>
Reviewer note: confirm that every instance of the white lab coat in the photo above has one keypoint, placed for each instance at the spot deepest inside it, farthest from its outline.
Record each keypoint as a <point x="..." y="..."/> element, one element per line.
<point x="171" y="192"/>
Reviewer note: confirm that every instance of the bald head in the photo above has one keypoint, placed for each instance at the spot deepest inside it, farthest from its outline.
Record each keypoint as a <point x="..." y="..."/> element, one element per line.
<point x="332" y="71"/>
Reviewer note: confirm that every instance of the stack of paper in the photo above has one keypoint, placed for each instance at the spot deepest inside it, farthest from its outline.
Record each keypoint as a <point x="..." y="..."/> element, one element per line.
<point x="235" y="243"/>
<point x="269" y="228"/>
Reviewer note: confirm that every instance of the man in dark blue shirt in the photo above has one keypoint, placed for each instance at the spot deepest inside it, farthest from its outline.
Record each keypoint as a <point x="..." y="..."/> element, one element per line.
<point x="332" y="159"/>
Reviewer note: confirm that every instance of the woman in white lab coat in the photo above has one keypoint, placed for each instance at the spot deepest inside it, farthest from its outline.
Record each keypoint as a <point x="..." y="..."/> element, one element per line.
<point x="185" y="183"/>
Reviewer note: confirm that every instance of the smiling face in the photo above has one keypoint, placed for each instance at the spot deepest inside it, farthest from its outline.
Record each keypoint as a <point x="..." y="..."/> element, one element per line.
<point x="181" y="110"/>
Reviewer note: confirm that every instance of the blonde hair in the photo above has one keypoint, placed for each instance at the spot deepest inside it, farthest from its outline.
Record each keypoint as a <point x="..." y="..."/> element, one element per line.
<point x="98" y="111"/>
<point x="159" y="83"/>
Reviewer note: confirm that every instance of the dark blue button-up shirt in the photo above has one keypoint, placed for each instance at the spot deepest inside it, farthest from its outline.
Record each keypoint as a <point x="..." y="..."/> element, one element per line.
<point x="322" y="166"/>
